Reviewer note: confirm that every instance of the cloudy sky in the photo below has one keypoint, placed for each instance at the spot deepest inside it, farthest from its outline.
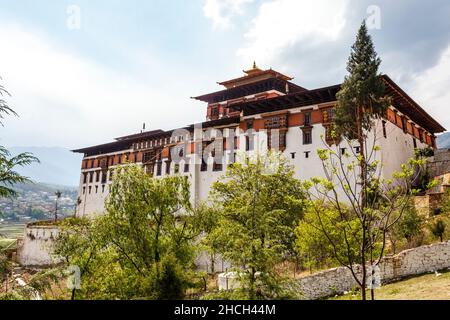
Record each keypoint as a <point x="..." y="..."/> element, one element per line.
<point x="82" y="72"/>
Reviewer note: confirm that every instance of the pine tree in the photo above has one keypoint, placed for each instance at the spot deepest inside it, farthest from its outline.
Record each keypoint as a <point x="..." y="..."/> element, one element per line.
<point x="361" y="98"/>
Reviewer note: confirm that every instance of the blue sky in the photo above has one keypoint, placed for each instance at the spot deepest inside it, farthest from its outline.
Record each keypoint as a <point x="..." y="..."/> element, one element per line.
<point x="139" y="61"/>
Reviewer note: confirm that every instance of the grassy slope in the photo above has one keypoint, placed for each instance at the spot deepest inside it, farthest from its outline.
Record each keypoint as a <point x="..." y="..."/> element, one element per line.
<point x="9" y="233"/>
<point x="425" y="287"/>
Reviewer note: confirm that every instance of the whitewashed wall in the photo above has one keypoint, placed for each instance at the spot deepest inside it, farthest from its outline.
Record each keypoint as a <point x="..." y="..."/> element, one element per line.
<point x="35" y="249"/>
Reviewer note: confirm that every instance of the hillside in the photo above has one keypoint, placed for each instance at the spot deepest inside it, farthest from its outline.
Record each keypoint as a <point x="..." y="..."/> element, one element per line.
<point x="37" y="202"/>
<point x="59" y="166"/>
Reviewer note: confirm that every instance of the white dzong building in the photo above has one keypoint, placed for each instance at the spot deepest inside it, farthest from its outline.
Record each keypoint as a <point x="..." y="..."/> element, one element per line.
<point x="259" y="111"/>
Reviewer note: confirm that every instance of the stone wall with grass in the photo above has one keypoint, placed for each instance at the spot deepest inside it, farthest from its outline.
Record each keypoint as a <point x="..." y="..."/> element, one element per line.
<point x="410" y="262"/>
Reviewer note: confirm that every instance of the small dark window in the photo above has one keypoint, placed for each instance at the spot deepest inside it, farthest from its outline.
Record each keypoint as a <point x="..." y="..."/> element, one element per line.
<point x="384" y="129"/>
<point x="331" y="115"/>
<point x="111" y="174"/>
<point x="404" y="125"/>
<point x="104" y="176"/>
<point x="249" y="142"/>
<point x="90" y="189"/>
<point x="231" y="158"/>
<point x="343" y="150"/>
<point x="96" y="189"/>
<point x="236" y="142"/>
<point x="120" y="159"/>
<point x="147" y="157"/>
<point x="292" y="155"/>
<point x="214" y="112"/>
<point x="307" y="137"/>
<point x="204" y="165"/>
<point x="186" y="167"/>
<point x="91" y="177"/>
<point x="103" y="188"/>
<point x="357" y="150"/>
<point x="84" y="190"/>
<point x="217" y="167"/>
<point x="97" y="176"/>
<point x="85" y="177"/>
<point x="307" y="119"/>
<point x="176" y="168"/>
<point x="158" y="168"/>
<point x="307" y="154"/>
<point x="415" y="143"/>
<point x="167" y="167"/>
<point x="250" y="125"/>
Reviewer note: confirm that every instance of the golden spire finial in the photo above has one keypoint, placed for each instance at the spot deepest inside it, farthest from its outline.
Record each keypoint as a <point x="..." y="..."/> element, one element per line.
<point x="254" y="65"/>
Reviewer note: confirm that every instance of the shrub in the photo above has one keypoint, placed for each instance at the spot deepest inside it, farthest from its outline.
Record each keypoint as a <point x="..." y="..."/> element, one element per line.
<point x="438" y="229"/>
<point x="167" y="281"/>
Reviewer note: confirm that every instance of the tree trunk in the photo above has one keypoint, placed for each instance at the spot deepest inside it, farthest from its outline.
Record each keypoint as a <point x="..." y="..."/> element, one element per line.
<point x="213" y="262"/>
<point x="363" y="178"/>
<point x="56" y="210"/>
<point x="372" y="269"/>
<point x="364" y="267"/>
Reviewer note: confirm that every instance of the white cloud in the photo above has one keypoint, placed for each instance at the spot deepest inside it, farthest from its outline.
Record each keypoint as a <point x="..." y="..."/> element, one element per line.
<point x="280" y="24"/>
<point x="222" y="12"/>
<point x="430" y="89"/>
<point x="64" y="99"/>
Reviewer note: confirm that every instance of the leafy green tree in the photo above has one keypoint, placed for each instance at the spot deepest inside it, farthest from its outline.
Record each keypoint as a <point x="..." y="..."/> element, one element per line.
<point x="408" y="226"/>
<point x="313" y="234"/>
<point x="8" y="176"/>
<point x="260" y="204"/>
<point x="141" y="248"/>
<point x="206" y="220"/>
<point x="411" y="223"/>
<point x="354" y="177"/>
<point x="438" y="229"/>
<point x="8" y="164"/>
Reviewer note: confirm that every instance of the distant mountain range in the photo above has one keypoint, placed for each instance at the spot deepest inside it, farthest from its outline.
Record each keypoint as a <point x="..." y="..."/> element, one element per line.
<point x="443" y="141"/>
<point x="59" y="166"/>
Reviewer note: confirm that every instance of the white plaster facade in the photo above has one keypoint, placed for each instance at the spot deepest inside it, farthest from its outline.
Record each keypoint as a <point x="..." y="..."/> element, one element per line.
<point x="396" y="148"/>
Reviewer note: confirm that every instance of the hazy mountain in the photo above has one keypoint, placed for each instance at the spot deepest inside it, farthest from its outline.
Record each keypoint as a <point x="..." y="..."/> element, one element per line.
<point x="443" y="141"/>
<point x="59" y="166"/>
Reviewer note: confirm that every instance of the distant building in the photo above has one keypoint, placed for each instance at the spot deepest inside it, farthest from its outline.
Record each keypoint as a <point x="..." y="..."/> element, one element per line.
<point x="259" y="111"/>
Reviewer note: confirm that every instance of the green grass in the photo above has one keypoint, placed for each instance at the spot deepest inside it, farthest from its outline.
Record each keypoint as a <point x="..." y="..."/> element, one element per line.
<point x="9" y="233"/>
<point x="424" y="287"/>
<point x="7" y="244"/>
<point x="12" y="231"/>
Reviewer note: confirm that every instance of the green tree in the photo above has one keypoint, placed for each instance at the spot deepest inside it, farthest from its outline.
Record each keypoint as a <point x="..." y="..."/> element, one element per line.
<point x="260" y="204"/>
<point x="206" y="220"/>
<point x="8" y="176"/>
<point x="354" y="177"/>
<point x="410" y="223"/>
<point x="408" y="226"/>
<point x="313" y="234"/>
<point x="141" y="248"/>
<point x="438" y="229"/>
<point x="8" y="164"/>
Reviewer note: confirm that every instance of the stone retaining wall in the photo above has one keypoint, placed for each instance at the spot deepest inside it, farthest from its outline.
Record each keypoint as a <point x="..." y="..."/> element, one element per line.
<point x="407" y="263"/>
